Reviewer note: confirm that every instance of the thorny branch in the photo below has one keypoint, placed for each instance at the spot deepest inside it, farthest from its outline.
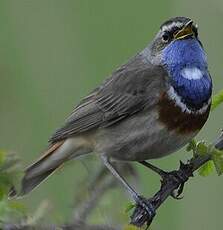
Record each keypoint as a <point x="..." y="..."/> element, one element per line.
<point x="78" y="226"/>
<point x="84" y="205"/>
<point x="141" y="217"/>
<point x="104" y="182"/>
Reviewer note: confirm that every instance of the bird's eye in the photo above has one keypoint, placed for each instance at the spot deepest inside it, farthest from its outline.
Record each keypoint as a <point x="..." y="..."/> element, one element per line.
<point x="166" y="37"/>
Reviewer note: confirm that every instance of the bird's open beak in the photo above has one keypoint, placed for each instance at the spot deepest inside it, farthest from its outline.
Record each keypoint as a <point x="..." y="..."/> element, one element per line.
<point x="185" y="32"/>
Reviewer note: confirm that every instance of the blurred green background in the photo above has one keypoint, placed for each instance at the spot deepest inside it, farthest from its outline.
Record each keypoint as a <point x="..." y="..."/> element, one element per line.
<point x="53" y="52"/>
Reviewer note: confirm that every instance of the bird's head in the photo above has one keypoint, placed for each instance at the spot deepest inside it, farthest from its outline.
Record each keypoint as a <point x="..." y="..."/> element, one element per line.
<point x="173" y="33"/>
<point x="177" y="48"/>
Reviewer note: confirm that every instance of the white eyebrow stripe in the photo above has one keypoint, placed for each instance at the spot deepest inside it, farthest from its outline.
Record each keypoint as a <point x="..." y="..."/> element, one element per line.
<point x="170" y="26"/>
<point x="192" y="73"/>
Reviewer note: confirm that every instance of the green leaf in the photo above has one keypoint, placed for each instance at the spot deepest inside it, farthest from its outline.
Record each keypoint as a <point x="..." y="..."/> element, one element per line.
<point x="198" y="147"/>
<point x="19" y="207"/>
<point x="131" y="227"/>
<point x="217" y="100"/>
<point x="129" y="207"/>
<point x="206" y="169"/>
<point x="201" y="148"/>
<point x="217" y="157"/>
<point x="191" y="146"/>
<point x="9" y="171"/>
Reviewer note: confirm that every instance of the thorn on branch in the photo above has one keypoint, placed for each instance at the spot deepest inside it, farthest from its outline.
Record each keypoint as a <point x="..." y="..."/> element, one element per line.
<point x="175" y="180"/>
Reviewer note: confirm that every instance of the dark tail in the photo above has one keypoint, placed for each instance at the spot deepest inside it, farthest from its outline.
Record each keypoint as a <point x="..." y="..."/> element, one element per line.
<point x="40" y="170"/>
<point x="53" y="158"/>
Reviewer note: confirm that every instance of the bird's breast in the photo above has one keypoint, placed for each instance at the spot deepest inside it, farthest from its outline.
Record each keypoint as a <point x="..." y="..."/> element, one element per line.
<point x="176" y="116"/>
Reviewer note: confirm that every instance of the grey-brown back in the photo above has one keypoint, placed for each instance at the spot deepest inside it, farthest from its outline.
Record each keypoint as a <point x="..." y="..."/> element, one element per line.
<point x="133" y="87"/>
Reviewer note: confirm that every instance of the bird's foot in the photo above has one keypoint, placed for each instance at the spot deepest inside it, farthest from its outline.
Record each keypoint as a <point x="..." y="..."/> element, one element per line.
<point x="146" y="209"/>
<point x="178" y="177"/>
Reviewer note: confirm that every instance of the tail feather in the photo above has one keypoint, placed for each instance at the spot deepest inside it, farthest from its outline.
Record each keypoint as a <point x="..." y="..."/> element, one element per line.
<point x="40" y="170"/>
<point x="53" y="158"/>
<point x="28" y="184"/>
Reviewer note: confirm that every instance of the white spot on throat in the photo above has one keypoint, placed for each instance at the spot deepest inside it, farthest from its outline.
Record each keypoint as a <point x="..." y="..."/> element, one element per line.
<point x="191" y="73"/>
<point x="172" y="94"/>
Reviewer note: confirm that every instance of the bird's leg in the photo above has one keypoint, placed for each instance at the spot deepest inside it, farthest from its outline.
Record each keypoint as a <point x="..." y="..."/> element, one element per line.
<point x="175" y="176"/>
<point x="155" y="169"/>
<point x="141" y="201"/>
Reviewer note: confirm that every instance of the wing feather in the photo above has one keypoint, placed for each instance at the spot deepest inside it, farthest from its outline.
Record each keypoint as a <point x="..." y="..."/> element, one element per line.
<point x="130" y="89"/>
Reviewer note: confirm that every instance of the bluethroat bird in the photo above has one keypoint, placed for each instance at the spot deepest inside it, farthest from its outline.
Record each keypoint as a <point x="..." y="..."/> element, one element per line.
<point x="148" y="108"/>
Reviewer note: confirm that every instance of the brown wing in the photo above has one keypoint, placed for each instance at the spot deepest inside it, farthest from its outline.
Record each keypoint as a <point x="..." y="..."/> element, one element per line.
<point x="132" y="88"/>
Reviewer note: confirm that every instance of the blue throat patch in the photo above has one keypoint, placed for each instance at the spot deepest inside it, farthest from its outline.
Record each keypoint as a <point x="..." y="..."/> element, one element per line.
<point x="187" y="54"/>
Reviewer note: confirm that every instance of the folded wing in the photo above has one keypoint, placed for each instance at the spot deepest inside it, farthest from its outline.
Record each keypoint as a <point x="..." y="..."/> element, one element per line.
<point x="135" y="86"/>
